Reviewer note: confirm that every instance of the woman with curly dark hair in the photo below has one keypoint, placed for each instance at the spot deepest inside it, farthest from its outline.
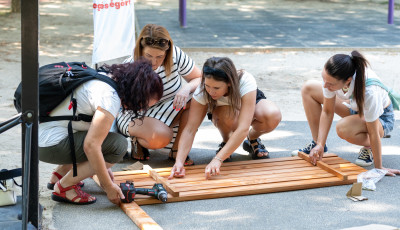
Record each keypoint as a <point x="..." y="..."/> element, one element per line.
<point x="96" y="148"/>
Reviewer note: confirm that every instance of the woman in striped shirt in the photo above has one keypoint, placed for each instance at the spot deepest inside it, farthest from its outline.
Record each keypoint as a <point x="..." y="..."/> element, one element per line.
<point x="172" y="65"/>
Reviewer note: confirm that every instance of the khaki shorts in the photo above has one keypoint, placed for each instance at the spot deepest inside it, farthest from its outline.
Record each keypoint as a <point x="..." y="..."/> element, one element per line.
<point x="114" y="148"/>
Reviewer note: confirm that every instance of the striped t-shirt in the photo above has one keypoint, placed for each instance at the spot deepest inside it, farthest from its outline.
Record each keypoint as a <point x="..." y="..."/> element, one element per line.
<point x="163" y="110"/>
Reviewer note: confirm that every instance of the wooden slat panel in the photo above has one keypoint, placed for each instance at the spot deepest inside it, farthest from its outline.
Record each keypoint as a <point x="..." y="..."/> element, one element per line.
<point x="246" y="178"/>
<point x="253" y="189"/>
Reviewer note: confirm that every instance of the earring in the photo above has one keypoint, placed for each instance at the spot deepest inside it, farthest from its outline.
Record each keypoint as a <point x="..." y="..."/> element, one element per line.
<point x="345" y="89"/>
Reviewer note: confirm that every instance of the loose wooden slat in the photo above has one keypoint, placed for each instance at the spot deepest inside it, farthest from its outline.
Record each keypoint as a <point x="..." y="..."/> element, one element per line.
<point x="324" y="166"/>
<point x="164" y="182"/>
<point x="139" y="216"/>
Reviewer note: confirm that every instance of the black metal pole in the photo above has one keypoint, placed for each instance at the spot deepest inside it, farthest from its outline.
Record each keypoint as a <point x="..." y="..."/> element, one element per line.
<point x="30" y="101"/>
<point x="12" y="119"/>
<point x="10" y="123"/>
<point x="26" y="176"/>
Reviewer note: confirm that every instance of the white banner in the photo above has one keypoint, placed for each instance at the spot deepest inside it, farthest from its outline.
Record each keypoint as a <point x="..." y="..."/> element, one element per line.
<point x="114" y="29"/>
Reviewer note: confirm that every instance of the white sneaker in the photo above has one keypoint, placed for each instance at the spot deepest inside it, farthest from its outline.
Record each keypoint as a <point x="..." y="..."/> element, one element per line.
<point x="365" y="158"/>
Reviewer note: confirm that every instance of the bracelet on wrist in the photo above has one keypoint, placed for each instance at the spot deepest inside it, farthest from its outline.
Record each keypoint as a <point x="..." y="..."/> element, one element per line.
<point x="222" y="161"/>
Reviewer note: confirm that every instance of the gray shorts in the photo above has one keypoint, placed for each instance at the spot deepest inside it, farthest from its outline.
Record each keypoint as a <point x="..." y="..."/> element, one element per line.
<point x="386" y="119"/>
<point x="114" y="148"/>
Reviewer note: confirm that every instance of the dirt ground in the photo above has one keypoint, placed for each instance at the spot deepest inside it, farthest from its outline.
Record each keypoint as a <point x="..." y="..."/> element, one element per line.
<point x="66" y="34"/>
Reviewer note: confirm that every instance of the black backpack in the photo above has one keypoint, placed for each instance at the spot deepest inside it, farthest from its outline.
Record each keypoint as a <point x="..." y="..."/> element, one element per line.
<point x="56" y="82"/>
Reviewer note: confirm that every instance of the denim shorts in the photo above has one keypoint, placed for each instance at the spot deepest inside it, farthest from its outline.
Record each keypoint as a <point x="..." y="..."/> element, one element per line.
<point x="386" y="119"/>
<point x="259" y="97"/>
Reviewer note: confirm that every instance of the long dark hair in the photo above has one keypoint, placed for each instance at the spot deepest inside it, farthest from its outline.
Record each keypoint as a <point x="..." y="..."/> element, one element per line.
<point x="222" y="69"/>
<point x="137" y="85"/>
<point x="343" y="66"/>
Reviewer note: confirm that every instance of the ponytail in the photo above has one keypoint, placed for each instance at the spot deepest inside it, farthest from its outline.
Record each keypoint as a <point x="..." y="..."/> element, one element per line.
<point x="343" y="66"/>
<point x="360" y="63"/>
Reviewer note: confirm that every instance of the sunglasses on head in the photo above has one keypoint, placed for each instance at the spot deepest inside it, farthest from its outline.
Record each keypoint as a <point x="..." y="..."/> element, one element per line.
<point x="160" y="42"/>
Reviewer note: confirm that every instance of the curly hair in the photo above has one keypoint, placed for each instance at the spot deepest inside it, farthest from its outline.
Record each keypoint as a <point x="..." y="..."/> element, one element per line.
<point x="137" y="85"/>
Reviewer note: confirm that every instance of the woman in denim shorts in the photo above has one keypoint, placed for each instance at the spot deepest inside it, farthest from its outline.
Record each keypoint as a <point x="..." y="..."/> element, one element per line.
<point x="366" y="109"/>
<point x="236" y="108"/>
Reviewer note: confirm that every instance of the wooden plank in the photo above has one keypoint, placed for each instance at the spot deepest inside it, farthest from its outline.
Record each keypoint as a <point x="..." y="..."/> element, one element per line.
<point x="254" y="163"/>
<point x="335" y="172"/>
<point x="324" y="166"/>
<point x="243" y="176"/>
<point x="240" y="173"/>
<point x="139" y="216"/>
<point x="164" y="182"/>
<point x="238" y="182"/>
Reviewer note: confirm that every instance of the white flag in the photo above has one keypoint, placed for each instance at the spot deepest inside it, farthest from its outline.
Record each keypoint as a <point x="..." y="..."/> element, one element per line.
<point x="114" y="29"/>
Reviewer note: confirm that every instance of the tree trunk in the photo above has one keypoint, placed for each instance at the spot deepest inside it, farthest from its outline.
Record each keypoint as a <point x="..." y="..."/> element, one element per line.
<point x="15" y="6"/>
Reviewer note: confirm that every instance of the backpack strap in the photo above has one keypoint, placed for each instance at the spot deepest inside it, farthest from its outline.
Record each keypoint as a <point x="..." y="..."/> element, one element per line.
<point x="71" y="136"/>
<point x="107" y="80"/>
<point x="79" y="117"/>
<point x="9" y="174"/>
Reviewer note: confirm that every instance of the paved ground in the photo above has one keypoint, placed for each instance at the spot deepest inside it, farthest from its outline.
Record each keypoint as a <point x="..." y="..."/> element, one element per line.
<point x="263" y="24"/>
<point x="323" y="208"/>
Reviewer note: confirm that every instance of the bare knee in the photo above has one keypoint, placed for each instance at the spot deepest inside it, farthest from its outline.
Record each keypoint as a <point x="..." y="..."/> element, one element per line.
<point x="222" y="117"/>
<point x="272" y="118"/>
<point x="309" y="87"/>
<point x="158" y="139"/>
<point x="267" y="116"/>
<point x="221" y="121"/>
<point x="341" y="130"/>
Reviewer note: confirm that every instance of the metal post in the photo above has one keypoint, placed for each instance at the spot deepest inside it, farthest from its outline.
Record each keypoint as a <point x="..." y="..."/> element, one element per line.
<point x="30" y="102"/>
<point x="182" y="13"/>
<point x="26" y="175"/>
<point x="390" y="13"/>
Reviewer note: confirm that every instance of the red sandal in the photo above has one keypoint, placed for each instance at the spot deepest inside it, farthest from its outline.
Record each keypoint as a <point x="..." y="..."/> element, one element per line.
<point x="51" y="185"/>
<point x="62" y="196"/>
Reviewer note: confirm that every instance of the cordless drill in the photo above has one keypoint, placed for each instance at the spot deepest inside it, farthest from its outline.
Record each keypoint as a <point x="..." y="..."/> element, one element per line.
<point x="129" y="191"/>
